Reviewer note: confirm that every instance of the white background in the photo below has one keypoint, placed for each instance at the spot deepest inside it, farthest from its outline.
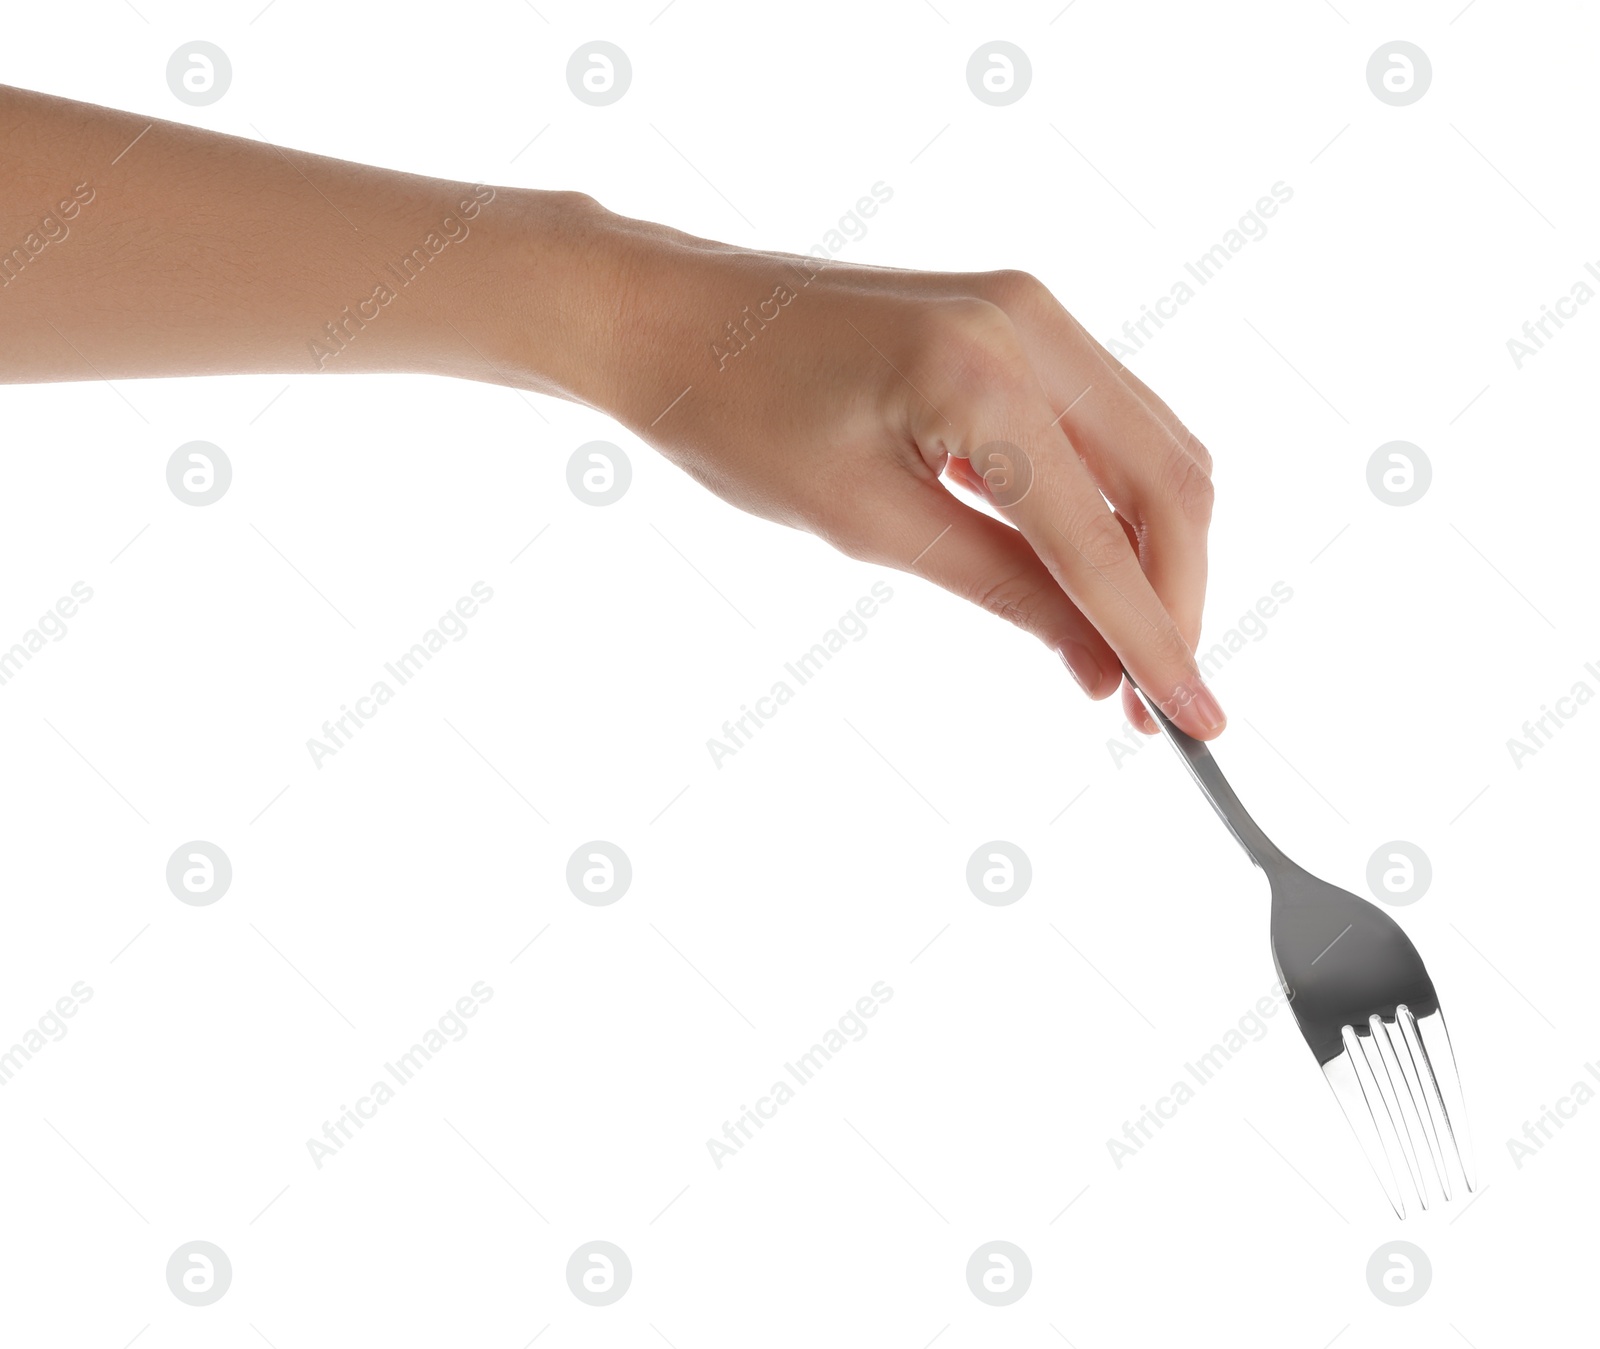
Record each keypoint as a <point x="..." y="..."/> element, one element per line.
<point x="772" y="892"/>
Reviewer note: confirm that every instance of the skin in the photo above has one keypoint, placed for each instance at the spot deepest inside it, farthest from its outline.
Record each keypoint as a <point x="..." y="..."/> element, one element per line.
<point x="836" y="398"/>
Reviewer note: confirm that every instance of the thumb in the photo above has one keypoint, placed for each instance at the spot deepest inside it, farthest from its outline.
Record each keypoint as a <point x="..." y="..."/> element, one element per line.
<point x="928" y="532"/>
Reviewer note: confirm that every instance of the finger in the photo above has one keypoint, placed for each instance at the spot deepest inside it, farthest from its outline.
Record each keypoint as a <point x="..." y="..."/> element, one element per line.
<point x="1191" y="443"/>
<point x="928" y="532"/>
<point x="1160" y="491"/>
<point x="1138" y="715"/>
<point x="1149" y="465"/>
<point x="962" y="471"/>
<point x="1084" y="547"/>
<point x="1136" y="450"/>
<point x="1135" y="711"/>
<point x="998" y="417"/>
<point x="1173" y="549"/>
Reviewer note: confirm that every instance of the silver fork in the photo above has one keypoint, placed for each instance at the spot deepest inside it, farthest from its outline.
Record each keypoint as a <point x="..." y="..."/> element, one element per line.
<point x="1364" y="1003"/>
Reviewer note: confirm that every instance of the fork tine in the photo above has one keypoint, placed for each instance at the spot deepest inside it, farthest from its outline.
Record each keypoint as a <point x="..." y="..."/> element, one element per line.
<point x="1360" y="1103"/>
<point x="1388" y="1088"/>
<point x="1421" y="1102"/>
<point x="1420" y="1151"/>
<point x="1430" y="1043"/>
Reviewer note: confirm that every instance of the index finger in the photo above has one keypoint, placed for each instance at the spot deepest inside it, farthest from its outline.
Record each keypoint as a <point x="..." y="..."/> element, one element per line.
<point x="1049" y="494"/>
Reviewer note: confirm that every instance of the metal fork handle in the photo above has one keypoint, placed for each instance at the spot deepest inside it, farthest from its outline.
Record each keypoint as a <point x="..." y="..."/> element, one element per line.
<point x="1203" y="768"/>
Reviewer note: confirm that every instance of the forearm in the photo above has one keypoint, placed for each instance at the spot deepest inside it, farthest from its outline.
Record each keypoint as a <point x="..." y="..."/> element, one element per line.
<point x="139" y="248"/>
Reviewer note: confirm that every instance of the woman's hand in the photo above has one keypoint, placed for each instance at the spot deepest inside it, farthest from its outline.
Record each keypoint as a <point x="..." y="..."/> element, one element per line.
<point x="834" y="398"/>
<point x="828" y="396"/>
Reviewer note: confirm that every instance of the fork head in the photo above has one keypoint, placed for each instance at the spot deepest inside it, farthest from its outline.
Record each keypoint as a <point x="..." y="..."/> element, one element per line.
<point x="1362" y="999"/>
<point x="1367" y="1008"/>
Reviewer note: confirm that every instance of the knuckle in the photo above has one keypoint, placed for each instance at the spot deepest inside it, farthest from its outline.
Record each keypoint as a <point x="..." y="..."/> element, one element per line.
<point x="1008" y="596"/>
<point x="1170" y="651"/>
<point x="973" y="341"/>
<point x="1099" y="540"/>
<point x="1010" y="287"/>
<point x="1191" y="489"/>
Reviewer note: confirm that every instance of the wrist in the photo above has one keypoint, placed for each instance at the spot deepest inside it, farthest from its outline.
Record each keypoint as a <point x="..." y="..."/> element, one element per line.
<point x="542" y="309"/>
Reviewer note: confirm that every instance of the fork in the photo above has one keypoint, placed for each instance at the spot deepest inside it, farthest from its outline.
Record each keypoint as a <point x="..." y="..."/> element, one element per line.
<point x="1364" y="1003"/>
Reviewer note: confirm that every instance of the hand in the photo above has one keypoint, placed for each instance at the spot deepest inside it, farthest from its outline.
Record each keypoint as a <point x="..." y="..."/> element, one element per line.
<point x="834" y="397"/>
<point x="831" y="397"/>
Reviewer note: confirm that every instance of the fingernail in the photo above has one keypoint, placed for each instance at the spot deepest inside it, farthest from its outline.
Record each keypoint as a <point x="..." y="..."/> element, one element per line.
<point x="1082" y="665"/>
<point x="1202" y="714"/>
